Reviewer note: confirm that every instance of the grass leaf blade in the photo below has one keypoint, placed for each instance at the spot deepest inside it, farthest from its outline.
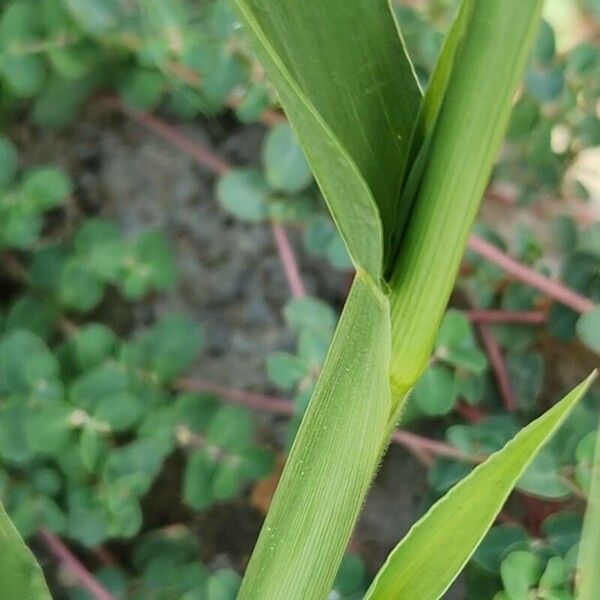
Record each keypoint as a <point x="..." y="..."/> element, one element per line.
<point x="430" y="557"/>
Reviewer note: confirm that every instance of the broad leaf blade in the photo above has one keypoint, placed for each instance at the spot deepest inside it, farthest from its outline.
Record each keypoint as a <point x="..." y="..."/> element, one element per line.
<point x="20" y="575"/>
<point x="588" y="563"/>
<point x="350" y="93"/>
<point x="435" y="550"/>
<point x="332" y="461"/>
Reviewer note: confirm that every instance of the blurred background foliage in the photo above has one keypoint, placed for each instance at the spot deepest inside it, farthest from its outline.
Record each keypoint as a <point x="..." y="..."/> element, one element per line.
<point x="89" y="420"/>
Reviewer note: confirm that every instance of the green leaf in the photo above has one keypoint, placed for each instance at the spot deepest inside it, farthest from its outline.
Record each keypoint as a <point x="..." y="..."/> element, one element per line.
<point x="588" y="580"/>
<point x="312" y="530"/>
<point x="590" y="239"/>
<point x="585" y="460"/>
<point x="27" y="367"/>
<point x="256" y="463"/>
<point x="60" y="100"/>
<point x="199" y="472"/>
<point x="445" y="473"/>
<point x="146" y="264"/>
<point x="93" y="385"/>
<point x="80" y="288"/>
<point x="143" y="89"/>
<point x="91" y="447"/>
<point x="286" y="370"/>
<point x="123" y="510"/>
<point x="562" y="530"/>
<point x="430" y="557"/>
<point x="230" y="429"/>
<point x="92" y="233"/>
<point x="350" y="577"/>
<point x="542" y="478"/>
<point x="435" y="392"/>
<point x="526" y="373"/>
<point x="9" y="161"/>
<point x="20" y="26"/>
<point x="355" y="128"/>
<point x="520" y="570"/>
<point x="554" y="574"/>
<point x="286" y="168"/>
<point x="524" y="118"/>
<point x="488" y="435"/>
<point x="545" y="85"/>
<point x="337" y="254"/>
<point x="253" y="104"/>
<point x="244" y="193"/>
<point x="21" y="226"/>
<point x="166" y="349"/>
<point x="49" y="429"/>
<point x="226" y="481"/>
<point x="14" y="446"/>
<point x="564" y="232"/>
<point x="544" y="47"/>
<point x="46" y="187"/>
<point x="24" y="74"/>
<point x="120" y="410"/>
<point x="34" y="314"/>
<point x="310" y="314"/>
<point x="87" y="522"/>
<point x="469" y="386"/>
<point x="91" y="345"/>
<point x="222" y="585"/>
<point x="96" y="18"/>
<point x="195" y="411"/>
<point x="135" y="465"/>
<point x="588" y="329"/>
<point x="20" y="574"/>
<point x="496" y="544"/>
<point x="456" y="343"/>
<point x="291" y="208"/>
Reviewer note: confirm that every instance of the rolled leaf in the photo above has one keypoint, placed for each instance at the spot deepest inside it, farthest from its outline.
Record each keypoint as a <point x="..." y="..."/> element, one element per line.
<point x="427" y="119"/>
<point x="468" y="107"/>
<point x="430" y="557"/>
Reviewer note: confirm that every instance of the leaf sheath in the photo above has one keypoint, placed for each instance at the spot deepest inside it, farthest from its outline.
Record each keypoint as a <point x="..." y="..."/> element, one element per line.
<point x="329" y="469"/>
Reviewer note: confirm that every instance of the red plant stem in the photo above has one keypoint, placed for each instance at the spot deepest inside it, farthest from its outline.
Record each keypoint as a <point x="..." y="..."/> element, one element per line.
<point x="105" y="557"/>
<point x="549" y="287"/>
<point x="284" y="407"/>
<point x="498" y="365"/>
<point x="199" y="153"/>
<point x="288" y="260"/>
<point x="410" y="439"/>
<point x="72" y="564"/>
<point x="521" y="317"/>
<point x="472" y="414"/>
<point x="425" y="457"/>
<point x="250" y="399"/>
